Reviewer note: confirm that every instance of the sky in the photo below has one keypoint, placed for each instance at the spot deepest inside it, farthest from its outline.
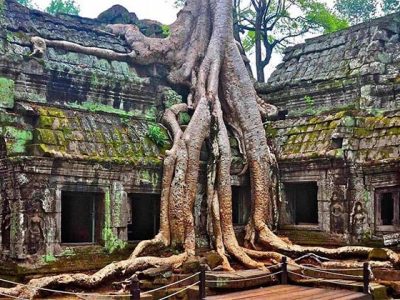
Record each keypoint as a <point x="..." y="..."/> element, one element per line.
<point x="159" y="10"/>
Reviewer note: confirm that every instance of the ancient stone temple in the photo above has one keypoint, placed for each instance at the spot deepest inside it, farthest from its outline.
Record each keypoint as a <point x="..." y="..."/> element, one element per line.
<point x="81" y="151"/>
<point x="339" y="148"/>
<point x="79" y="143"/>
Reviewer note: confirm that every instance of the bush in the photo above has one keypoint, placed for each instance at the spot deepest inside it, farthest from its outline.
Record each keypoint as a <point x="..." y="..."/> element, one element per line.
<point x="157" y="135"/>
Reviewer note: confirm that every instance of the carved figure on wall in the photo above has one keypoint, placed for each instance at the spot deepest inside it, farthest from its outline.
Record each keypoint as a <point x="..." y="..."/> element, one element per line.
<point x="36" y="227"/>
<point x="337" y="213"/>
<point x="357" y="218"/>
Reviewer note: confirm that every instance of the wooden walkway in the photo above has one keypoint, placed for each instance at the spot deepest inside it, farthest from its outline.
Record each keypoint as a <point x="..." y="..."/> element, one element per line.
<point x="292" y="292"/>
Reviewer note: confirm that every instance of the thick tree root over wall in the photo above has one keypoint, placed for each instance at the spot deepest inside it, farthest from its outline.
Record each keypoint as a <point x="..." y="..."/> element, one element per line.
<point x="202" y="55"/>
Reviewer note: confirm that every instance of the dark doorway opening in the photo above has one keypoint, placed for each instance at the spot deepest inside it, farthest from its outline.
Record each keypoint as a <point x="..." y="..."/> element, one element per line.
<point x="241" y="204"/>
<point x="302" y="202"/>
<point x="82" y="217"/>
<point x="5" y="223"/>
<point x="387" y="209"/>
<point x="145" y="216"/>
<point x="3" y="147"/>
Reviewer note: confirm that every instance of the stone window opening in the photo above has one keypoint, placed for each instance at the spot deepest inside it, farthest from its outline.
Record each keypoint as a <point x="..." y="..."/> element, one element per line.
<point x="387" y="214"/>
<point x="337" y="142"/>
<point x="82" y="217"/>
<point x="145" y="216"/>
<point x="241" y="205"/>
<point x="302" y="202"/>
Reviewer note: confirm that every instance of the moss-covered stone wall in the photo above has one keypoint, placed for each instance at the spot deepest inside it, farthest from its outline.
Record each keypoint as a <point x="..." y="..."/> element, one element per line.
<point x="350" y="155"/>
<point x="356" y="67"/>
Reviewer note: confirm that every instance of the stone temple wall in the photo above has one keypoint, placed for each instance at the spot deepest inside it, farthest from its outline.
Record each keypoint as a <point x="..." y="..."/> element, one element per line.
<point x="351" y="156"/>
<point x="357" y="67"/>
<point x="71" y="122"/>
<point x="341" y="92"/>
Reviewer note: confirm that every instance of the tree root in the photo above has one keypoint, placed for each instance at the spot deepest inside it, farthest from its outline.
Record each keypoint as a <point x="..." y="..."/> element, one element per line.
<point x="270" y="240"/>
<point x="84" y="281"/>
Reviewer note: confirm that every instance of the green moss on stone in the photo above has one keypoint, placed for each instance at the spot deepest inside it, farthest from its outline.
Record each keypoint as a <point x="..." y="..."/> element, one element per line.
<point x="60" y="137"/>
<point x="16" y="133"/>
<point x="15" y="147"/>
<point x="46" y="121"/>
<point x="270" y="131"/>
<point x="45" y="136"/>
<point x="111" y="242"/>
<point x="6" y="92"/>
<point x="362" y="132"/>
<point x="393" y="131"/>
<point x="349" y="121"/>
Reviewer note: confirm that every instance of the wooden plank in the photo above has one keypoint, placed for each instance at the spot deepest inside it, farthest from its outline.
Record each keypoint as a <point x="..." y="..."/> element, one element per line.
<point x="260" y="291"/>
<point x="305" y="294"/>
<point x="273" y="293"/>
<point x="292" y="292"/>
<point x="337" y="294"/>
<point x="357" y="296"/>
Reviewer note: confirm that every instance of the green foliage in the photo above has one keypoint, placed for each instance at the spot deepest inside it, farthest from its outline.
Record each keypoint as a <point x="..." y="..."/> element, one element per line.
<point x="274" y="25"/>
<point x="179" y="3"/>
<point x="151" y="114"/>
<point x="390" y="6"/>
<point x="376" y="112"/>
<point x="184" y="118"/>
<point x="309" y="101"/>
<point x="157" y="135"/>
<point x="27" y="3"/>
<point x="48" y="258"/>
<point x="356" y="11"/>
<point x="112" y="243"/>
<point x="63" y="6"/>
<point x="165" y="30"/>
<point x="249" y="41"/>
<point x="319" y="14"/>
<point x="10" y="37"/>
<point x="310" y="110"/>
<point x="171" y="98"/>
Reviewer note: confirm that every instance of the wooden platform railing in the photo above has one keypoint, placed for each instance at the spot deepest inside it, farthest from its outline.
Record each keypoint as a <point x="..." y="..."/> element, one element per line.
<point x="279" y="269"/>
<point x="283" y="271"/>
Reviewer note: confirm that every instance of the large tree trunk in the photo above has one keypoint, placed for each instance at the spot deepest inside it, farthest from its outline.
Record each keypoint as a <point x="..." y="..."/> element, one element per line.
<point x="202" y="54"/>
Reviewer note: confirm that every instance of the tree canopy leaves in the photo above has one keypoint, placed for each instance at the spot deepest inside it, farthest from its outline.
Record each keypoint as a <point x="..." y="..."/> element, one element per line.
<point x="63" y="6"/>
<point x="357" y="11"/>
<point x="56" y="6"/>
<point x="270" y="25"/>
